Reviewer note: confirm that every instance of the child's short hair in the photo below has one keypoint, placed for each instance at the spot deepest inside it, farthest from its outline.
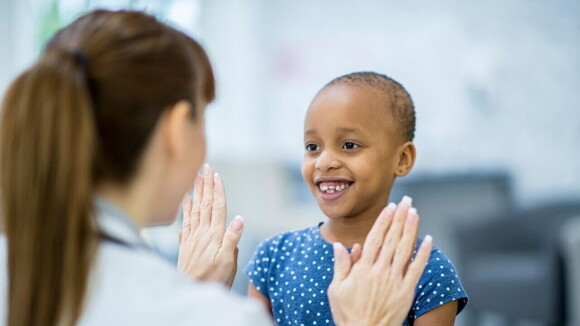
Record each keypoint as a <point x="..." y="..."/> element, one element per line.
<point x="399" y="100"/>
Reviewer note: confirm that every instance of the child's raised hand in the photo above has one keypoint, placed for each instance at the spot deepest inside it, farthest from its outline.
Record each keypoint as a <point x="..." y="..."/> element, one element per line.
<point x="208" y="251"/>
<point x="378" y="288"/>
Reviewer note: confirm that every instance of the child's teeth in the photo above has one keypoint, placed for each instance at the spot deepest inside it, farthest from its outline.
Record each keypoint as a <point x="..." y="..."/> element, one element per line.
<point x="334" y="188"/>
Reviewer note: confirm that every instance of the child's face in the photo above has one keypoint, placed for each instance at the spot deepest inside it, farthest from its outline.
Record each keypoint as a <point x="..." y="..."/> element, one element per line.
<point x="352" y="150"/>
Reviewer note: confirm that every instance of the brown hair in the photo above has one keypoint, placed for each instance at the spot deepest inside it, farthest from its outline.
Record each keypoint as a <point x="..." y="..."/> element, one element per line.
<point x="81" y="115"/>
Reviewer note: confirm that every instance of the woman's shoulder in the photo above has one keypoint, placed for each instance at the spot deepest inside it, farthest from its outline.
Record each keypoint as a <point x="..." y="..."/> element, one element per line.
<point x="138" y="287"/>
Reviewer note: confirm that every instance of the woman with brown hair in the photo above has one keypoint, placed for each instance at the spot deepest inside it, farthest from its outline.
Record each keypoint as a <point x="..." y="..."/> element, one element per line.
<point x="102" y="136"/>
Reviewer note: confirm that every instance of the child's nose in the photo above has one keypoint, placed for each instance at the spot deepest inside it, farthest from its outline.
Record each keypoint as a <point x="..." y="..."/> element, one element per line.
<point x="326" y="161"/>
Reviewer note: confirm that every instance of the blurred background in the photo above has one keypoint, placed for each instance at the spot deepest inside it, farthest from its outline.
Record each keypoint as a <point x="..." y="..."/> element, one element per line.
<point x="496" y="88"/>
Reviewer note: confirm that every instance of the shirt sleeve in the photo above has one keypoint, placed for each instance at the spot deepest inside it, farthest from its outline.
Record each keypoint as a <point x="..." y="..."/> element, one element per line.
<point x="438" y="285"/>
<point x="257" y="268"/>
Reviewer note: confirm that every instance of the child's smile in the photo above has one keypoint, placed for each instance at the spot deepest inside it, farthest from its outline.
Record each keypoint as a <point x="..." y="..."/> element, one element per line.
<point x="332" y="188"/>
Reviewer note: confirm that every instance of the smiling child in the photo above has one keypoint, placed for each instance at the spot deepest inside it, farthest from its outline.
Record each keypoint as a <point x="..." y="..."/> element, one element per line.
<point x="358" y="138"/>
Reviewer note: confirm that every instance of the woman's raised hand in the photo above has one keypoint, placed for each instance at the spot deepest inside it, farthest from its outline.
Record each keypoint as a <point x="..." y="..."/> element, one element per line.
<point x="208" y="251"/>
<point x="377" y="286"/>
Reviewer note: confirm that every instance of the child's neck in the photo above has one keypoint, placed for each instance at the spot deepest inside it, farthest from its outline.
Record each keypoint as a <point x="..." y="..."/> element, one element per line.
<point x="350" y="230"/>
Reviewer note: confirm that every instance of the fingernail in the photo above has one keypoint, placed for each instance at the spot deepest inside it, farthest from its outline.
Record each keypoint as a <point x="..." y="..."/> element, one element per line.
<point x="428" y="238"/>
<point x="238" y="222"/>
<point x="216" y="177"/>
<point x="392" y="206"/>
<point x="407" y="199"/>
<point x="412" y="215"/>
<point x="206" y="169"/>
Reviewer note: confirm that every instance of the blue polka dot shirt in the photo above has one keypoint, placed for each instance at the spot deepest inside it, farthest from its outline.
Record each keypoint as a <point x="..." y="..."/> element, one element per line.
<point x="294" y="269"/>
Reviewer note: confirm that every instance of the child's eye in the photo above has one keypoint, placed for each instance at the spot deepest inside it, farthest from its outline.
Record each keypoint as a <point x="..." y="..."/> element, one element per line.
<point x="350" y="145"/>
<point x="311" y="147"/>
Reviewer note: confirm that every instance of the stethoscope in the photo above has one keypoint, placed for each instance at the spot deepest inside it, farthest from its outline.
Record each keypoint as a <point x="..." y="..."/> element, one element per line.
<point x="109" y="238"/>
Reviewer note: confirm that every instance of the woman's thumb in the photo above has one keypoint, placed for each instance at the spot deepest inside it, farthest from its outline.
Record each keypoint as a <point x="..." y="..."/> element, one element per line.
<point x="233" y="234"/>
<point x="342" y="262"/>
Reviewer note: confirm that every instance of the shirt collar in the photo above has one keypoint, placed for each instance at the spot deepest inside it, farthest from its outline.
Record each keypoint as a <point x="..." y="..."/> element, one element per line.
<point x="115" y="223"/>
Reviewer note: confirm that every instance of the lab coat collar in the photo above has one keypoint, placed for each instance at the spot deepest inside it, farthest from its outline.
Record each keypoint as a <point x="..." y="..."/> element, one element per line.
<point x="116" y="224"/>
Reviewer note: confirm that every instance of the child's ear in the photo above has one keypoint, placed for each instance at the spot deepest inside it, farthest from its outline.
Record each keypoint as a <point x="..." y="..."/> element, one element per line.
<point x="407" y="156"/>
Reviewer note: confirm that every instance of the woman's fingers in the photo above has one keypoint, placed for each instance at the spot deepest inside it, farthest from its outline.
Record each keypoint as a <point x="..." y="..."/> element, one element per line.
<point x="417" y="266"/>
<point x="405" y="248"/>
<point x="213" y="254"/>
<point x="232" y="236"/>
<point x="219" y="207"/>
<point x="356" y="253"/>
<point x="393" y="236"/>
<point x="186" y="209"/>
<point x="374" y="240"/>
<point x="342" y="262"/>
<point x="195" y="213"/>
<point x="357" y="296"/>
<point x="230" y="281"/>
<point x="207" y="197"/>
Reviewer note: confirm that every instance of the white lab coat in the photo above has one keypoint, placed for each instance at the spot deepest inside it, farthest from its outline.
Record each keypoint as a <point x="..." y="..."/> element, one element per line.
<point x="131" y="285"/>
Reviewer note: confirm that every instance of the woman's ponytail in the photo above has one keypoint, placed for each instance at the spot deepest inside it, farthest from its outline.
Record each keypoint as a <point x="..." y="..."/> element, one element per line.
<point x="81" y="117"/>
<point x="47" y="150"/>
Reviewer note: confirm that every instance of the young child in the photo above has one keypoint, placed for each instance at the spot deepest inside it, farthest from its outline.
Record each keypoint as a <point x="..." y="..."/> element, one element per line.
<point x="358" y="137"/>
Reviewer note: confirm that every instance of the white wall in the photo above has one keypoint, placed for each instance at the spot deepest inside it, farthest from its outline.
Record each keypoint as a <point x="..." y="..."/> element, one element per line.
<point x="495" y="83"/>
<point x="17" y="43"/>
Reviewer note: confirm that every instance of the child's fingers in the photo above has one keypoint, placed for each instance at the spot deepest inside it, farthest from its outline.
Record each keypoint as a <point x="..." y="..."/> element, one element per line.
<point x="195" y="213"/>
<point x="342" y="262"/>
<point x="407" y="244"/>
<point x="418" y="265"/>
<point x="207" y="198"/>
<point x="186" y="209"/>
<point x="393" y="236"/>
<point x="375" y="238"/>
<point x="219" y="207"/>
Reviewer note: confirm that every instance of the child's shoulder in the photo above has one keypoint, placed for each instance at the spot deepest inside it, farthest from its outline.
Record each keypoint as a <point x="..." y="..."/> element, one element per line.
<point x="438" y="285"/>
<point x="438" y="264"/>
<point x="437" y="256"/>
